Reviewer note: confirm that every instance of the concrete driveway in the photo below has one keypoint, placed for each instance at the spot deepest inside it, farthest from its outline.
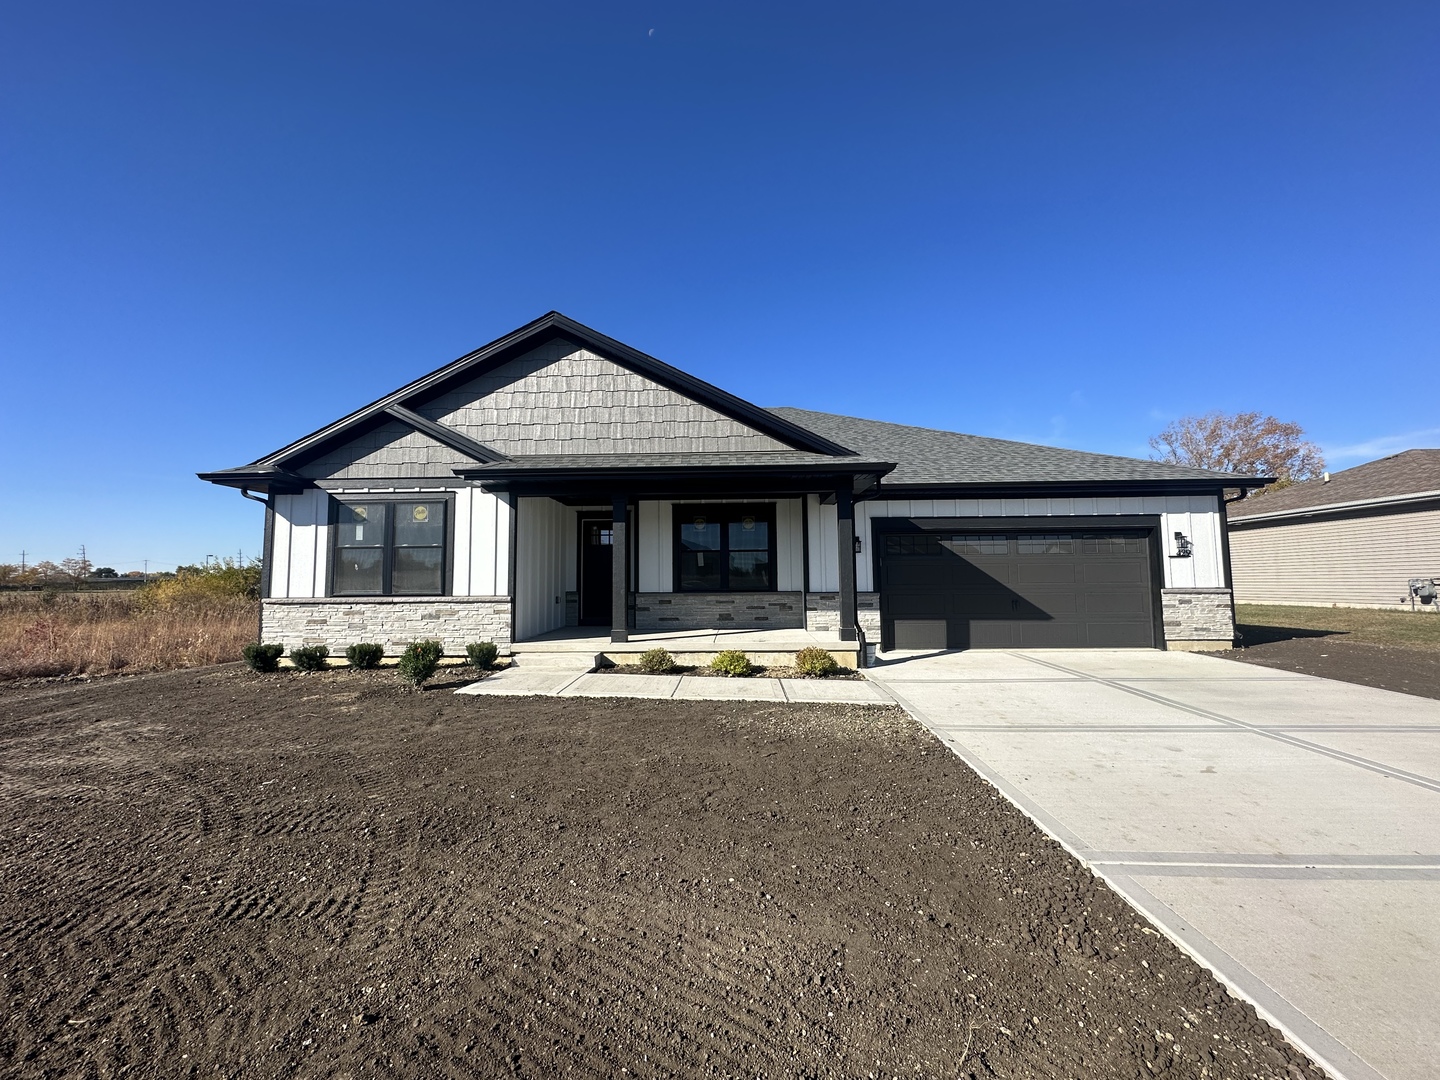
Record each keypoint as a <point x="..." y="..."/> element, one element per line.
<point x="1282" y="828"/>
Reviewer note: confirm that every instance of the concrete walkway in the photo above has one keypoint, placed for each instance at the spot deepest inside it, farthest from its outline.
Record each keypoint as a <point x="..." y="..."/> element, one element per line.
<point x="1283" y="829"/>
<point x="566" y="676"/>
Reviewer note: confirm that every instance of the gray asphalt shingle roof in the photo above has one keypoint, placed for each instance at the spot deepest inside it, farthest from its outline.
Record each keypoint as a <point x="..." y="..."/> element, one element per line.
<point x="929" y="456"/>
<point x="1401" y="474"/>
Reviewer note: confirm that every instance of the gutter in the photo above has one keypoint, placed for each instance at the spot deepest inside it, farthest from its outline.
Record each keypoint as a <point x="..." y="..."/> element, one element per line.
<point x="1325" y="508"/>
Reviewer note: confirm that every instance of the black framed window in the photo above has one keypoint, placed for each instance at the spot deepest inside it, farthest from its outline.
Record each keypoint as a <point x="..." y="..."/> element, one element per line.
<point x="725" y="548"/>
<point x="389" y="547"/>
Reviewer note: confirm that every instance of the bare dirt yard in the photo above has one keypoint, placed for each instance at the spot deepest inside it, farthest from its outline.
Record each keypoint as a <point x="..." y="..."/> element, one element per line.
<point x="210" y="873"/>
<point x="1392" y="650"/>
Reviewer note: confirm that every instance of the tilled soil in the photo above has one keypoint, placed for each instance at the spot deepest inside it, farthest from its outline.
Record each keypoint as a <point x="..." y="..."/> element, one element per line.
<point x="1331" y="656"/>
<point x="218" y="874"/>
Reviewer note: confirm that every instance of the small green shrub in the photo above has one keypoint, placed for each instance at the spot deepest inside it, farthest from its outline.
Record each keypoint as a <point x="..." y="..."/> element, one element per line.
<point x="482" y="654"/>
<point x="310" y="657"/>
<point x="419" y="661"/>
<point x="657" y="662"/>
<point x="364" y="655"/>
<point x="731" y="662"/>
<point x="263" y="657"/>
<point x="815" y="663"/>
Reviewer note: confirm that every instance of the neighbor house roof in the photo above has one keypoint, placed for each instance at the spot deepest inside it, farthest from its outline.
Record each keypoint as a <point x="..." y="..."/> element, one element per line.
<point x="929" y="457"/>
<point x="1400" y="478"/>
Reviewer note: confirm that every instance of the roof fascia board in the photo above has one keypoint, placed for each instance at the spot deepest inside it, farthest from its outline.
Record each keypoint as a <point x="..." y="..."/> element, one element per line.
<point x="1331" y="508"/>
<point x="1060" y="488"/>
<point x="448" y="436"/>
<point x="503" y="348"/>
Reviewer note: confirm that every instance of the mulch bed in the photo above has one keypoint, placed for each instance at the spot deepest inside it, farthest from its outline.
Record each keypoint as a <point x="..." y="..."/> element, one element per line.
<point x="1332" y="656"/>
<point x="213" y="873"/>
<point x="755" y="673"/>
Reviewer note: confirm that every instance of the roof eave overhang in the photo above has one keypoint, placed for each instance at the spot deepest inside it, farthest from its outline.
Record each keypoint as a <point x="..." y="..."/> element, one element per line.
<point x="859" y="476"/>
<point x="264" y="481"/>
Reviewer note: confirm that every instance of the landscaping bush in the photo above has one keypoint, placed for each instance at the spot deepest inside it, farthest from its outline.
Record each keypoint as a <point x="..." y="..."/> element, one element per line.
<point x="815" y="663"/>
<point x="482" y="654"/>
<point x="309" y="657"/>
<point x="364" y="655"/>
<point x="419" y="661"/>
<point x="263" y="657"/>
<point x="657" y="662"/>
<point x="731" y="662"/>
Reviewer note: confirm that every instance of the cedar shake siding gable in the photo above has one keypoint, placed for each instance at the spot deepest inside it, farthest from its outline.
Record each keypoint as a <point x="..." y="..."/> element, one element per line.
<point x="563" y="399"/>
<point x="391" y="451"/>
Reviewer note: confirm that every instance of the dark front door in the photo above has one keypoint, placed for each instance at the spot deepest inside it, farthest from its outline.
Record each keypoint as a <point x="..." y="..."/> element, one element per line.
<point x="1017" y="590"/>
<point x="595" y="571"/>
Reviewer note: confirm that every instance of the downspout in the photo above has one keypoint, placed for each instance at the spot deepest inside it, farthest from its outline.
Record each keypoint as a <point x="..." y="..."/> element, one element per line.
<point x="266" y="559"/>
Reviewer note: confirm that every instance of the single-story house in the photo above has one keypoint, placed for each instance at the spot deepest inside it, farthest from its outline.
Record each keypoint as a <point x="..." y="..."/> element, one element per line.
<point x="557" y="477"/>
<point x="1355" y="538"/>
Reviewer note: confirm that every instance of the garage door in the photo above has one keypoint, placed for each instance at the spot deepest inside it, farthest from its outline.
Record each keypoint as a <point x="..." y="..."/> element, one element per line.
<point x="993" y="590"/>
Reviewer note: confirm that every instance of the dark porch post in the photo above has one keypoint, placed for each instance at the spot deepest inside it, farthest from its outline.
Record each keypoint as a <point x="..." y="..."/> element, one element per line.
<point x="619" y="566"/>
<point x="845" y="533"/>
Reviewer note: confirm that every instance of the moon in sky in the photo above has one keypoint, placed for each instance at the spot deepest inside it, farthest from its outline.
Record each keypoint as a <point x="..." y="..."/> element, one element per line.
<point x="652" y="33"/>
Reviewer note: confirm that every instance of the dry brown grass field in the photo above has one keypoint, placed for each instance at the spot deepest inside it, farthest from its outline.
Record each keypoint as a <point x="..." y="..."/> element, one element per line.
<point x="50" y="634"/>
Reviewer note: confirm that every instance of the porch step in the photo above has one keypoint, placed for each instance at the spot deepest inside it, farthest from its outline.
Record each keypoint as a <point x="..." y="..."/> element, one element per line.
<point x="574" y="661"/>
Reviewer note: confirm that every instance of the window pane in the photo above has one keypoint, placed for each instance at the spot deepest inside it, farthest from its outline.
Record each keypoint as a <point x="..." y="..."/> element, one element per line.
<point x="700" y="570"/>
<point x="417" y="572"/>
<point x="979" y="545"/>
<point x="749" y="570"/>
<point x="357" y="571"/>
<point x="361" y="525"/>
<point x="419" y="524"/>
<point x="700" y="534"/>
<point x="1119" y="544"/>
<point x="1046" y="544"/>
<point x="749" y="533"/>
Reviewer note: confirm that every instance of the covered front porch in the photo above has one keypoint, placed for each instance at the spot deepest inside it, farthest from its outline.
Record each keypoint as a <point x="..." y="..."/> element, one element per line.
<point x="616" y="559"/>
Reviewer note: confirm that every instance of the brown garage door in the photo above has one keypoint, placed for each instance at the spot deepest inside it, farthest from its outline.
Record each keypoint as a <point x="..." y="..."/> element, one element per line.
<point x="993" y="590"/>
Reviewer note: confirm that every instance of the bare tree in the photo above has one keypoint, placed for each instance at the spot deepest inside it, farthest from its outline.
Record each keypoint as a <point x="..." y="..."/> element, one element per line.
<point x="1245" y="443"/>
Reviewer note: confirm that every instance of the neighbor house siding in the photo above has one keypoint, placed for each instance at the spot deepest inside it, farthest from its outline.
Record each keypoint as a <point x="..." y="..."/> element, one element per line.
<point x="1356" y="561"/>
<point x="540" y="569"/>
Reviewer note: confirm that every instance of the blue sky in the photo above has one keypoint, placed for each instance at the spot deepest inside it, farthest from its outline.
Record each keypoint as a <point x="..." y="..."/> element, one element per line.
<point x="222" y="226"/>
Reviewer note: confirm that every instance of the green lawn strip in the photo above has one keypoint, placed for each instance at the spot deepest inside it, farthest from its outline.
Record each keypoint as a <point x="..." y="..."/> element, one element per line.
<point x="1262" y="622"/>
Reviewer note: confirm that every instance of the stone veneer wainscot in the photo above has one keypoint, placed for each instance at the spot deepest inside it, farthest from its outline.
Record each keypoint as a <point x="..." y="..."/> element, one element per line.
<point x="1198" y="620"/>
<point x="394" y="622"/>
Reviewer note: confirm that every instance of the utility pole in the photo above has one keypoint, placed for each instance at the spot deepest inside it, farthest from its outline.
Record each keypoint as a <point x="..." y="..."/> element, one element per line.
<point x="146" y="578"/>
<point x="22" y="562"/>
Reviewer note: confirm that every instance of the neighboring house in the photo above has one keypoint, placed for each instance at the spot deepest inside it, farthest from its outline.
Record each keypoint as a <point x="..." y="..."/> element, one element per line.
<point x="485" y="500"/>
<point x="1354" y="538"/>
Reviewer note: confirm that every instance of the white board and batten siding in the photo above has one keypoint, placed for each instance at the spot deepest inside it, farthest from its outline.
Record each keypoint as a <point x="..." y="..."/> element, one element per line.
<point x="1352" y="562"/>
<point x="1196" y="516"/>
<point x="300" y="551"/>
